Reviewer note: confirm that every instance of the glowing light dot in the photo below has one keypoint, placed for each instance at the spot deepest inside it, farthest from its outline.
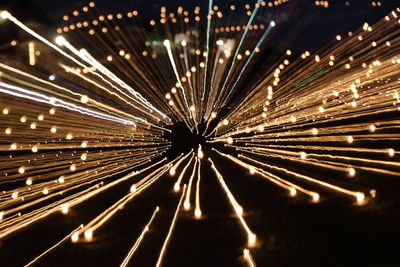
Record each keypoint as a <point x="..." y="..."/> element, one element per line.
<point x="186" y="205"/>
<point x="238" y="209"/>
<point x="315" y="197"/>
<point x="166" y="43"/>
<point x="61" y="179"/>
<point x="74" y="237"/>
<point x="28" y="181"/>
<point x="72" y="167"/>
<point x="372" y="128"/>
<point x="60" y="40"/>
<point x="192" y="108"/>
<point x="252" y="170"/>
<point x="84" y="99"/>
<point x="350" y="139"/>
<point x="13" y="146"/>
<point x="5" y="14"/>
<point x="293" y="192"/>
<point x="33" y="125"/>
<point x="251" y="239"/>
<point x="64" y="208"/>
<point x="45" y="191"/>
<point x="41" y="117"/>
<point x="314" y="131"/>
<point x="84" y="156"/>
<point x="84" y="144"/>
<point x="21" y="170"/>
<point x="225" y="122"/>
<point x="53" y="129"/>
<point x="6" y="111"/>
<point x="360" y="197"/>
<point x="133" y="188"/>
<point x="321" y="109"/>
<point x="303" y="155"/>
<point x="197" y="213"/>
<point x="220" y="42"/>
<point x="23" y="119"/>
<point x="34" y="149"/>
<point x="352" y="172"/>
<point x="8" y="131"/>
<point x="14" y="195"/>
<point x="88" y="235"/>
<point x="229" y="140"/>
<point x="172" y="171"/>
<point x="213" y="115"/>
<point x="391" y="152"/>
<point x="69" y="136"/>
<point x="176" y="187"/>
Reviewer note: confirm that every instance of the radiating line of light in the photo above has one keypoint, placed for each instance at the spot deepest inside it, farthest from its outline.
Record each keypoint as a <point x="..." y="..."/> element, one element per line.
<point x="136" y="189"/>
<point x="186" y="203"/>
<point x="72" y="201"/>
<point x="291" y="187"/>
<point x="210" y="3"/>
<point x="167" y="44"/>
<point x="249" y="259"/>
<point x="251" y="237"/>
<point x="360" y="197"/>
<point x="172" y="171"/>
<point x="171" y="228"/>
<point x="270" y="26"/>
<point x="7" y="15"/>
<point x="177" y="184"/>
<point x="24" y="93"/>
<point x="128" y="257"/>
<point x="84" y="55"/>
<point x="51" y="248"/>
<point x="250" y="21"/>
<point x="197" y="210"/>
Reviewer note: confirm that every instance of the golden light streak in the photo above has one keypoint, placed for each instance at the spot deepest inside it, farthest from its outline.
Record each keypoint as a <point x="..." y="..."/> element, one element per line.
<point x="251" y="237"/>
<point x="197" y="210"/>
<point x="186" y="203"/>
<point x="52" y="248"/>
<point x="249" y="259"/>
<point x="128" y="257"/>
<point x="171" y="229"/>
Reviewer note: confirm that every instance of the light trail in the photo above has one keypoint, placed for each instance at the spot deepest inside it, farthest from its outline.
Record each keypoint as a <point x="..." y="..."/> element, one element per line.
<point x="35" y="260"/>
<point x="177" y="184"/>
<point x="171" y="229"/>
<point x="197" y="210"/>
<point x="128" y="257"/>
<point x="251" y="237"/>
<point x="249" y="259"/>
<point x="186" y="203"/>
